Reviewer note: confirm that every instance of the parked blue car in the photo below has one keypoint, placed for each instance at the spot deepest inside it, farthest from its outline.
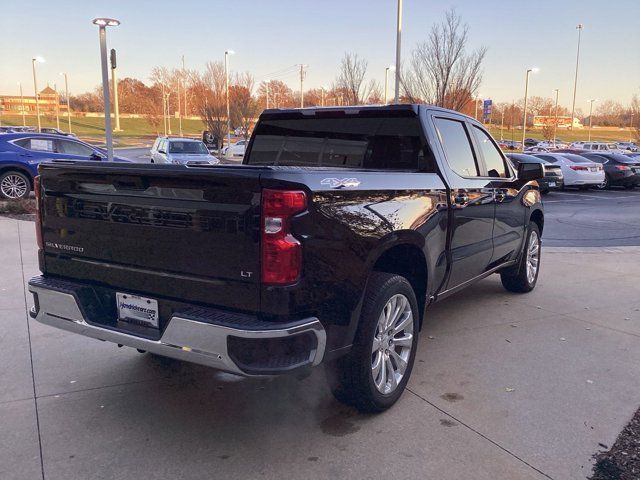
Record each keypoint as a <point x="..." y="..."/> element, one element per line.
<point x="21" y="153"/>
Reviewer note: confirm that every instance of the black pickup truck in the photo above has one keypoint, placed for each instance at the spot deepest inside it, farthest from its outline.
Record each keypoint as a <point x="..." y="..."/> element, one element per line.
<point x="327" y="245"/>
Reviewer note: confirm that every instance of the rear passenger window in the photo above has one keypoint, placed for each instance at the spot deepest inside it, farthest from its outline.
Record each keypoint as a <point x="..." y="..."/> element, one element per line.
<point x="492" y="157"/>
<point x="457" y="149"/>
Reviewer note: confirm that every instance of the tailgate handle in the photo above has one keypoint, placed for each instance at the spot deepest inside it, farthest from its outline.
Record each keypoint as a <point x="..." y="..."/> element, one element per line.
<point x="130" y="184"/>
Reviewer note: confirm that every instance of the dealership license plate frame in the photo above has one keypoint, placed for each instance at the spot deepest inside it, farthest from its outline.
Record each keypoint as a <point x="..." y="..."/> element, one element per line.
<point x="137" y="310"/>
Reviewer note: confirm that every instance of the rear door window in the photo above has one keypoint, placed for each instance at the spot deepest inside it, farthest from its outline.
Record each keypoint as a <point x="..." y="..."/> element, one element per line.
<point x="36" y="144"/>
<point x="457" y="147"/>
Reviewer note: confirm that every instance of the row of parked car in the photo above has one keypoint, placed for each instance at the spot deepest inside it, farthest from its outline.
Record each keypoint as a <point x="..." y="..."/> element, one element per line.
<point x="583" y="169"/>
<point x="531" y="145"/>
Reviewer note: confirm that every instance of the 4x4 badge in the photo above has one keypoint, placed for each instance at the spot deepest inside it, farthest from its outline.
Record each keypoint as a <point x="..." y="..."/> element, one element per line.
<point x="341" y="182"/>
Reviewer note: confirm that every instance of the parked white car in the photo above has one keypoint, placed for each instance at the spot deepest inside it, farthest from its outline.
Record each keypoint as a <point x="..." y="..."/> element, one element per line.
<point x="235" y="150"/>
<point x="179" y="150"/>
<point x="628" y="146"/>
<point x="536" y="149"/>
<point x="601" y="147"/>
<point x="576" y="170"/>
<point x="551" y="145"/>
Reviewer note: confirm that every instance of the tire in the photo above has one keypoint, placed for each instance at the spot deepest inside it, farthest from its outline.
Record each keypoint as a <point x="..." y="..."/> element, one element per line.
<point x="606" y="185"/>
<point x="521" y="279"/>
<point x="351" y="377"/>
<point x="14" y="185"/>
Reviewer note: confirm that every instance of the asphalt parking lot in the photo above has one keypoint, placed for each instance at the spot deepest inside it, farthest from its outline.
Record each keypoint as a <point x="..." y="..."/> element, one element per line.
<point x="592" y="218"/>
<point x="505" y="386"/>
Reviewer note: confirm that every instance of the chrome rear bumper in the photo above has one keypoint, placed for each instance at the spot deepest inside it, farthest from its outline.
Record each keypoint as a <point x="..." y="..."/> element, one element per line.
<point x="183" y="338"/>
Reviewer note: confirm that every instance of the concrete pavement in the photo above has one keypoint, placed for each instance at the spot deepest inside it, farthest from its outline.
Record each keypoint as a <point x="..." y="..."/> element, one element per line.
<point x="505" y="386"/>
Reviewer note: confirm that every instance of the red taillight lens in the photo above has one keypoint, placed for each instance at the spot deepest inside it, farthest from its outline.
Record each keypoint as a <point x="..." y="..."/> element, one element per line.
<point x="281" y="252"/>
<point x="36" y="190"/>
<point x="622" y="167"/>
<point x="579" y="168"/>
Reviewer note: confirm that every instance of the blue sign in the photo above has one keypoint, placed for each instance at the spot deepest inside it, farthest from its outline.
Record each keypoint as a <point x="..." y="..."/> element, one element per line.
<point x="487" y="105"/>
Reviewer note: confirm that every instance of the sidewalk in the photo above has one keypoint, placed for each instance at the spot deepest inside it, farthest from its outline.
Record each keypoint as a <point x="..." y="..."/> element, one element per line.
<point x="505" y="386"/>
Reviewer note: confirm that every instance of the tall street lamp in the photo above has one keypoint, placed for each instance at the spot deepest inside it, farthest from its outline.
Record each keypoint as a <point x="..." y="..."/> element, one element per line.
<point x="555" y="122"/>
<point x="66" y="93"/>
<point x="37" y="59"/>
<point x="102" y="24"/>
<point x="398" y="49"/>
<point x="631" y="127"/>
<point x="575" y="81"/>
<point x="55" y="88"/>
<point x="386" y="82"/>
<point x="590" y="114"/>
<point x="524" y="115"/>
<point x="226" y="76"/>
<point x="24" y="120"/>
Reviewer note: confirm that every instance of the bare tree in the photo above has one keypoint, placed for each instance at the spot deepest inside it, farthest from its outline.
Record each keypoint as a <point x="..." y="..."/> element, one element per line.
<point x="244" y="107"/>
<point x="353" y="70"/>
<point x="280" y="94"/>
<point x="209" y="99"/>
<point x="441" y="72"/>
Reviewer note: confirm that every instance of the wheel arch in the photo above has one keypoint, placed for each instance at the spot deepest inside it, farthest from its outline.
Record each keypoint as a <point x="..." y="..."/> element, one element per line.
<point x="537" y="217"/>
<point x="408" y="260"/>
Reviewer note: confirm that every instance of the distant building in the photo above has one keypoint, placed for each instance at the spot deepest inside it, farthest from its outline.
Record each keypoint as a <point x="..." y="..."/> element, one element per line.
<point x="48" y="98"/>
<point x="563" y="122"/>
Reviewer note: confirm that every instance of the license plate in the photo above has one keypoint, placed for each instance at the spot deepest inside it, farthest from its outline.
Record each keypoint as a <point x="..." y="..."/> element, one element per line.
<point x="136" y="309"/>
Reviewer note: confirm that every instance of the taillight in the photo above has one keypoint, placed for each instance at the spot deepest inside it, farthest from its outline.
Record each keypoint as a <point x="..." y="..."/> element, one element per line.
<point x="36" y="190"/>
<point x="281" y="252"/>
<point x="622" y="167"/>
<point x="578" y="168"/>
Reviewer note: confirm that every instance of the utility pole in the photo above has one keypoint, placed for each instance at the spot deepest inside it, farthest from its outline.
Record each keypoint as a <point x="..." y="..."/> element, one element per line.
<point x="631" y="128"/>
<point x="322" y="98"/>
<point x="164" y="110"/>
<point x="184" y="88"/>
<point x="55" y="88"/>
<point x="24" y="120"/>
<point x="502" y="125"/>
<point x="575" y="81"/>
<point x="114" y="87"/>
<point x="398" y="41"/>
<point x="168" y="114"/>
<point x="555" y="122"/>
<point x="302" y="85"/>
<point x="66" y="92"/>
<point x="267" y="87"/>
<point x="591" y="115"/>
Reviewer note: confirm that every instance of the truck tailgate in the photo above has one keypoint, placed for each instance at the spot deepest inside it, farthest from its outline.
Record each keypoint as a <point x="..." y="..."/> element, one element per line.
<point x="181" y="232"/>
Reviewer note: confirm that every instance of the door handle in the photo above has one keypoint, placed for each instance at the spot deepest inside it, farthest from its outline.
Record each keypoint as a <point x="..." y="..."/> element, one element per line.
<point x="500" y="196"/>
<point x="461" y="198"/>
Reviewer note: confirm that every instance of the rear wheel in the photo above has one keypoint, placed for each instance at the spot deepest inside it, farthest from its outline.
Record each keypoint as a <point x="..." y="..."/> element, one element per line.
<point x="606" y="184"/>
<point x="373" y="375"/>
<point x="14" y="184"/>
<point x="522" y="278"/>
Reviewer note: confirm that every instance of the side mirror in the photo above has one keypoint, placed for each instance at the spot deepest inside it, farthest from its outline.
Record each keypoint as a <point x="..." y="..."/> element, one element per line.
<point x="96" y="156"/>
<point x="162" y="151"/>
<point x="530" y="171"/>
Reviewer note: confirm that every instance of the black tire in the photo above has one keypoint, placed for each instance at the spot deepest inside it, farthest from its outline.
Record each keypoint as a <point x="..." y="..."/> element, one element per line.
<point x="516" y="279"/>
<point x="350" y="377"/>
<point x="606" y="185"/>
<point x="14" y="184"/>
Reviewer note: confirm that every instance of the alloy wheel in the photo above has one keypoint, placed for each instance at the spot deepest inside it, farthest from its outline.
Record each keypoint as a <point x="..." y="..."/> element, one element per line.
<point x="392" y="344"/>
<point x="14" y="186"/>
<point x="533" y="257"/>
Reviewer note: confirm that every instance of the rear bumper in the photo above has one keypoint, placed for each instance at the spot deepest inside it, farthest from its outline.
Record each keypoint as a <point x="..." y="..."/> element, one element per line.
<point x="233" y="343"/>
<point x="546" y="181"/>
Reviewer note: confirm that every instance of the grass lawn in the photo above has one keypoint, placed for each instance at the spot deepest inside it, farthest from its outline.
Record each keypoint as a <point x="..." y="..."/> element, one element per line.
<point x="134" y="130"/>
<point x="597" y="134"/>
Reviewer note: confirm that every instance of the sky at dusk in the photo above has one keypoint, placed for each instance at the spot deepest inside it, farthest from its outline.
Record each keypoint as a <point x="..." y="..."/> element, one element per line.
<point x="270" y="36"/>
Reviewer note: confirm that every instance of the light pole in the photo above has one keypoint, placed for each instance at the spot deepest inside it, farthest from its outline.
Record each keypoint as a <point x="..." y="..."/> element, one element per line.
<point x="38" y="59"/>
<point x="66" y="92"/>
<point x="555" y="122"/>
<point x="575" y="81"/>
<point x="631" y="128"/>
<point x="102" y="24"/>
<point x="386" y="82"/>
<point x="398" y="42"/>
<point x="590" y="114"/>
<point x="524" y="115"/>
<point x="24" y="120"/>
<point x="114" y="88"/>
<point x="502" y="124"/>
<point x="475" y="115"/>
<point x="226" y="76"/>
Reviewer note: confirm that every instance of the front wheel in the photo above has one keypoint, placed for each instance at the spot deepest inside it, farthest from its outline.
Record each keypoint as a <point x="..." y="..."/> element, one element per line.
<point x="522" y="278"/>
<point x="373" y="375"/>
<point x="14" y="185"/>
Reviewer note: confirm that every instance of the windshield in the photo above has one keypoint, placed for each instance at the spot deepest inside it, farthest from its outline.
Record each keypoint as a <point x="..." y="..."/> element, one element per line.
<point x="392" y="143"/>
<point x="188" y="147"/>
